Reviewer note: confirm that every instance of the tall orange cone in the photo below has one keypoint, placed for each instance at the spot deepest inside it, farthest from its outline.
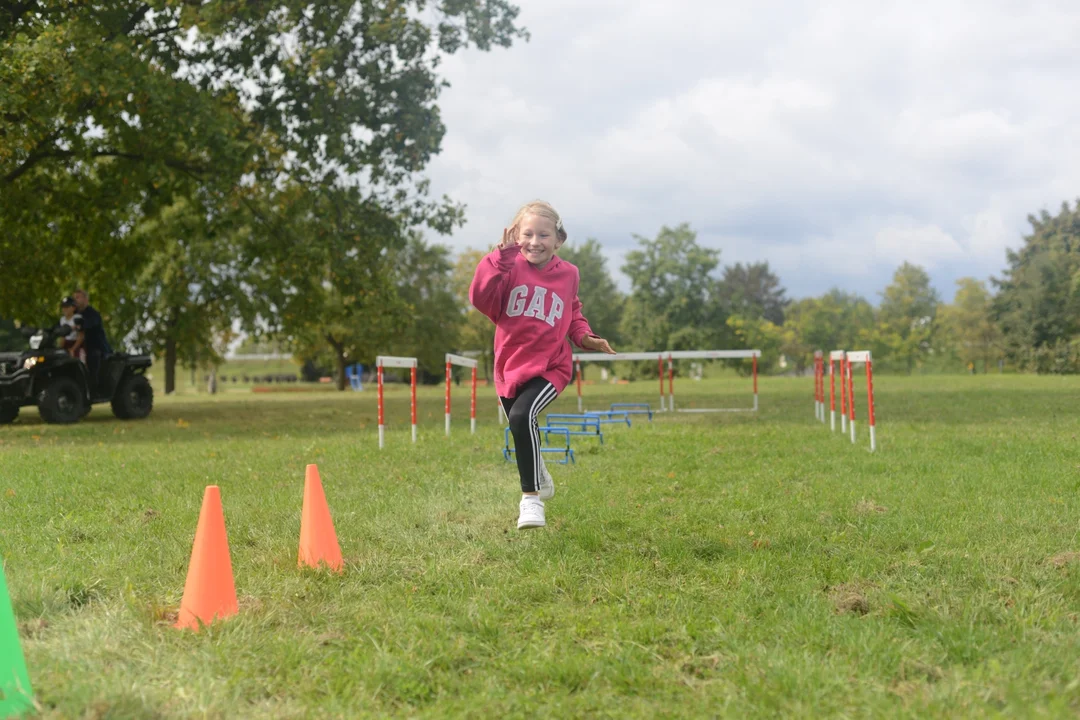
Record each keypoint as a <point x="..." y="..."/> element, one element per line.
<point x="318" y="541"/>
<point x="209" y="592"/>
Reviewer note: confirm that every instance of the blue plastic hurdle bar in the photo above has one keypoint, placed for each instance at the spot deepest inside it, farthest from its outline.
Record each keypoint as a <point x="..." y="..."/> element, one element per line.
<point x="611" y="416"/>
<point x="589" y="424"/>
<point x="642" y="408"/>
<point x="568" y="453"/>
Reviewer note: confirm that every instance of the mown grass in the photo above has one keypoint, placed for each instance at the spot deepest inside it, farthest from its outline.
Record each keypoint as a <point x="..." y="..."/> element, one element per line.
<point x="732" y="565"/>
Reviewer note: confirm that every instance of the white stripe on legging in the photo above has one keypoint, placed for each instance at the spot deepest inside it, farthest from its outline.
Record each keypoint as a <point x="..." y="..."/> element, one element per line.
<point x="549" y="393"/>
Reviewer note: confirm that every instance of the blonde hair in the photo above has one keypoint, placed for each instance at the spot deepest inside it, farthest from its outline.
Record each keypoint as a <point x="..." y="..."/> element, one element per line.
<point x="543" y="209"/>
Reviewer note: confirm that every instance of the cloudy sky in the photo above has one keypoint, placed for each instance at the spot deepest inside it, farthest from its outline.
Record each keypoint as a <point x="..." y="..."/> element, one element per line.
<point x="834" y="139"/>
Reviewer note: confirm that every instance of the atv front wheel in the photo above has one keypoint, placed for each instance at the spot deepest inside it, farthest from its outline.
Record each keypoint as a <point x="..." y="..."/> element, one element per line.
<point x="61" y="402"/>
<point x="134" y="399"/>
<point x="8" y="413"/>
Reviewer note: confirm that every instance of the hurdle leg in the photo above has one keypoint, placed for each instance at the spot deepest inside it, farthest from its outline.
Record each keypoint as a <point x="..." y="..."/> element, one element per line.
<point x="382" y="429"/>
<point x="412" y="401"/>
<point x="472" y="404"/>
<point x="448" y="373"/>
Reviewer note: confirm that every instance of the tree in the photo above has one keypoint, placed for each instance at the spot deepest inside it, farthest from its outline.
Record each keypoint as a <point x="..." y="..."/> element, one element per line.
<point x="477" y="331"/>
<point x="191" y="289"/>
<point x="1038" y="299"/>
<point x="835" y="321"/>
<point x="99" y="128"/>
<point x="601" y="300"/>
<point x="905" y="321"/>
<point x="339" y="289"/>
<point x="306" y="119"/>
<point x="752" y="291"/>
<point x="759" y="334"/>
<point x="969" y="326"/>
<point x="673" y="291"/>
<point x="425" y="283"/>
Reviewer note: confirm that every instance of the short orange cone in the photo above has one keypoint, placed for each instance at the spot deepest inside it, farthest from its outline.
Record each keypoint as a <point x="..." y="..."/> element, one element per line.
<point x="318" y="541"/>
<point x="209" y="592"/>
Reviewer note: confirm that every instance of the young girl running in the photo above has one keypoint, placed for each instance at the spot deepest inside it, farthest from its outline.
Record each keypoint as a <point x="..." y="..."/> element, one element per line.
<point x="532" y="297"/>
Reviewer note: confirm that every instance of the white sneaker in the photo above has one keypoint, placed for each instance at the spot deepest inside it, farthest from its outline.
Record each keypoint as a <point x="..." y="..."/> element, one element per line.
<point x="545" y="485"/>
<point x="531" y="513"/>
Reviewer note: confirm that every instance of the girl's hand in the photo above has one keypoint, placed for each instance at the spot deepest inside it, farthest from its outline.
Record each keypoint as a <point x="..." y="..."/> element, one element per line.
<point x="509" y="238"/>
<point x="596" y="344"/>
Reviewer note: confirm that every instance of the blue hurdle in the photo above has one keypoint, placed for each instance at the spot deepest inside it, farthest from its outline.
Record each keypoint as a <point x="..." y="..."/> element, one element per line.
<point x="628" y="408"/>
<point x="589" y="425"/>
<point x="568" y="453"/>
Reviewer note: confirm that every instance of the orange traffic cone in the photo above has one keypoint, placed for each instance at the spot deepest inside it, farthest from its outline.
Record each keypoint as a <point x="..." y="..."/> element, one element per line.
<point x="318" y="541"/>
<point x="209" y="591"/>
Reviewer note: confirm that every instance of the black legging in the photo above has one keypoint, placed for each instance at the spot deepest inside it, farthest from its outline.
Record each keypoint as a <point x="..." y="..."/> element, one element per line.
<point x="523" y="411"/>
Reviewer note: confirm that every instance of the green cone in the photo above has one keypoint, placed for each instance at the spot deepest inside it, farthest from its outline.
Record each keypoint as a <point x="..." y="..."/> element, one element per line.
<point x="16" y="696"/>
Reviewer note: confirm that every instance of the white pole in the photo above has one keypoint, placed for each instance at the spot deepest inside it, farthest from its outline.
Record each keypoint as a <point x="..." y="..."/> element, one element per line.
<point x="473" y="423"/>
<point x="447" y="424"/>
<point x="852" y="424"/>
<point x="414" y="433"/>
<point x="382" y="436"/>
<point x="873" y="444"/>
<point x="832" y="420"/>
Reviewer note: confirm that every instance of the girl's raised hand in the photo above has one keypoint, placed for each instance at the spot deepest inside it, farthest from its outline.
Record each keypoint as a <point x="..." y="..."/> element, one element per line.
<point x="596" y="344"/>
<point x="509" y="238"/>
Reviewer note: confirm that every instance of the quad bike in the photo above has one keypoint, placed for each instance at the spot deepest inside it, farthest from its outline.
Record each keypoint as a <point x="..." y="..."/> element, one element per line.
<point x="60" y="385"/>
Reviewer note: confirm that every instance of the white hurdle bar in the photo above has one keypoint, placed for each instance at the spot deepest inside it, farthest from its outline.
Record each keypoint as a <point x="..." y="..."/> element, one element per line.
<point x="385" y="361"/>
<point x="672" y="355"/>
<point x="862" y="356"/>
<point x="834" y="356"/>
<point x="461" y="361"/>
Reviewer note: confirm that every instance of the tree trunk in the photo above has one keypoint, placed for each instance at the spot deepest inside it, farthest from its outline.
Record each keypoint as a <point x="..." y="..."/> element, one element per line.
<point x="339" y="359"/>
<point x="170" y="365"/>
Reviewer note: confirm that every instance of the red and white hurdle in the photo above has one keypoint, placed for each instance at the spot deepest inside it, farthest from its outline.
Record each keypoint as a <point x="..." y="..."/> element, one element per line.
<point x="862" y="356"/>
<point x="452" y="360"/>
<point x="847" y="391"/>
<point x="400" y="362"/>
<point x="667" y="402"/>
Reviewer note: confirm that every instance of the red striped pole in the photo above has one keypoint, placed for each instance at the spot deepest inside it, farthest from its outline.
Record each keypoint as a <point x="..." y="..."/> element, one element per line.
<point x="412" y="388"/>
<point x="381" y="427"/>
<point x="870" y="401"/>
<point x="832" y="394"/>
<point x="843" y="396"/>
<point x="447" y="398"/>
<point x="472" y="403"/>
<point x="817" y="385"/>
<point x="851" y="398"/>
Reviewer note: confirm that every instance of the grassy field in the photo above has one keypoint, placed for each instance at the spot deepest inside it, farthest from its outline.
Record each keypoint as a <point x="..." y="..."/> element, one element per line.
<point x="702" y="565"/>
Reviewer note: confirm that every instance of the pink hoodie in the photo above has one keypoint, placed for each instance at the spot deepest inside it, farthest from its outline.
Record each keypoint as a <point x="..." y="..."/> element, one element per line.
<point x="528" y="307"/>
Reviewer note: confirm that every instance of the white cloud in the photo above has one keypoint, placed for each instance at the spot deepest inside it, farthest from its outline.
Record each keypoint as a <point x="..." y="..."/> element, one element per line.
<point x="834" y="139"/>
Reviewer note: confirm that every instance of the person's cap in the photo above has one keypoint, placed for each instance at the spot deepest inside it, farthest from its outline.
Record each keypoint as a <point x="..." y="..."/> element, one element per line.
<point x="68" y="302"/>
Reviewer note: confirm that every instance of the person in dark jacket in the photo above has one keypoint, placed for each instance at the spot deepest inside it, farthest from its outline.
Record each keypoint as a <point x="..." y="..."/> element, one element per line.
<point x="94" y="341"/>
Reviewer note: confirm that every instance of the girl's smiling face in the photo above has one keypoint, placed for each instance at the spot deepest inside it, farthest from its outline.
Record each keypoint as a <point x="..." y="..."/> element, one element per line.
<point x="538" y="239"/>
